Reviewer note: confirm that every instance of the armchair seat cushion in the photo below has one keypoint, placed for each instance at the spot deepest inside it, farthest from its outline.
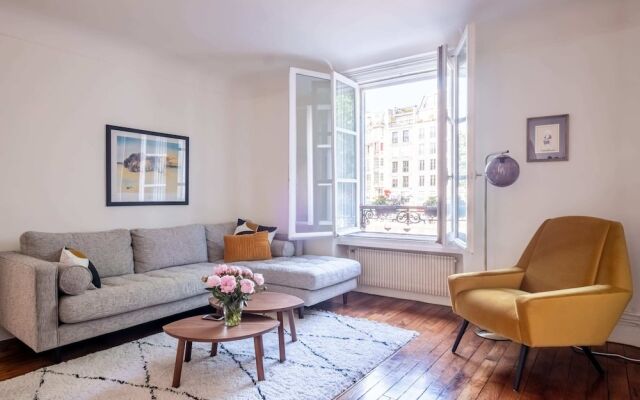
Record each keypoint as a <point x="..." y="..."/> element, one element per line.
<point x="121" y="294"/>
<point x="491" y="309"/>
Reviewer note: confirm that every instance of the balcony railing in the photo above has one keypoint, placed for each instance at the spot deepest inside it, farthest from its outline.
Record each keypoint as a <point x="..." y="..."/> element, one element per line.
<point x="404" y="216"/>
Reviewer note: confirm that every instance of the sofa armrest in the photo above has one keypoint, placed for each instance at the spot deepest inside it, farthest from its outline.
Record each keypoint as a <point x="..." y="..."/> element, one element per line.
<point x="499" y="278"/>
<point x="29" y="299"/>
<point x="570" y="317"/>
<point x="282" y="248"/>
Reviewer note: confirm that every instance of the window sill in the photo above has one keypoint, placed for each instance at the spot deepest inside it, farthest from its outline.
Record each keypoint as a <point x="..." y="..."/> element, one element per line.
<point x="397" y="242"/>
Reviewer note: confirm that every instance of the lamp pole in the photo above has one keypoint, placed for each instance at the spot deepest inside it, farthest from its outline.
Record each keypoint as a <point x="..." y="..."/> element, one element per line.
<point x="486" y="162"/>
<point x="481" y="332"/>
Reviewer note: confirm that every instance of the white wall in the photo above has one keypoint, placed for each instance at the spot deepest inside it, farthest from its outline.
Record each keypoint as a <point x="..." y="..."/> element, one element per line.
<point x="59" y="86"/>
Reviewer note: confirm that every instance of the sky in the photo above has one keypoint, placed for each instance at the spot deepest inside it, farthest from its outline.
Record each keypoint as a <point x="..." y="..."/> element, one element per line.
<point x="406" y="94"/>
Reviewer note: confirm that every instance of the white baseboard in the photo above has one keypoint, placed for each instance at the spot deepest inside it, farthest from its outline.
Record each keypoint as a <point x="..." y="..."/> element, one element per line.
<point x="626" y="332"/>
<point x="425" y="298"/>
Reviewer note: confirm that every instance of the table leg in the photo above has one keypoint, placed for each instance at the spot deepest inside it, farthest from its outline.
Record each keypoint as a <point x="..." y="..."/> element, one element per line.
<point x="214" y="349"/>
<point x="292" y="326"/>
<point x="177" y="369"/>
<point x="283" y="357"/>
<point x="187" y="352"/>
<point x="257" y="342"/>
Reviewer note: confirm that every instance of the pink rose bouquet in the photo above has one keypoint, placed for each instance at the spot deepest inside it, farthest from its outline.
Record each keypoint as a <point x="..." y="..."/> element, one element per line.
<point x="233" y="286"/>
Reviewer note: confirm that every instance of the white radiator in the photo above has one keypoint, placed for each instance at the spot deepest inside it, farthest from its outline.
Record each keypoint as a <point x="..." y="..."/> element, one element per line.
<point x="419" y="273"/>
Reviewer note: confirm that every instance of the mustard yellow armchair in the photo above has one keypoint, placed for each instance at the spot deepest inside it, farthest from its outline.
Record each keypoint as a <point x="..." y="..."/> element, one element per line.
<point x="569" y="288"/>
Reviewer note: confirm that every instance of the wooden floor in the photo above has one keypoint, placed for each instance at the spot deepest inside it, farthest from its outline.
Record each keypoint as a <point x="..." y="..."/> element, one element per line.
<point x="425" y="368"/>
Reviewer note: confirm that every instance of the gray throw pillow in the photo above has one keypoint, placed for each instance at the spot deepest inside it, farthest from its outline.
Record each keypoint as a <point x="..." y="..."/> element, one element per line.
<point x="282" y="248"/>
<point x="74" y="279"/>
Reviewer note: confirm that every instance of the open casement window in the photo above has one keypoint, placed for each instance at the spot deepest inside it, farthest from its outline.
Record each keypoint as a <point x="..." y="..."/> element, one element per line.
<point x="457" y="167"/>
<point x="323" y="144"/>
<point x="347" y="155"/>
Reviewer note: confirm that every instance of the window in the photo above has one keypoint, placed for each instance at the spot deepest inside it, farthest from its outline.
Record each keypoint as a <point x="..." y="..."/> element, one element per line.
<point x="427" y="95"/>
<point x="323" y="154"/>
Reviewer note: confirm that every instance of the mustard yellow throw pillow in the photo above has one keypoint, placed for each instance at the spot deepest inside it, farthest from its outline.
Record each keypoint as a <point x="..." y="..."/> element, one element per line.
<point x="247" y="247"/>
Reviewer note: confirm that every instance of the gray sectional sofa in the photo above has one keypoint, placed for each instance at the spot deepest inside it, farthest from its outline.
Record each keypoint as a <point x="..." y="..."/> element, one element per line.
<point x="146" y="274"/>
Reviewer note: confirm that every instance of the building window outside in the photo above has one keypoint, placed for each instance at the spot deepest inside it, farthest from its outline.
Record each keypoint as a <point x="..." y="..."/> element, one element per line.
<point x="421" y="149"/>
<point x="432" y="164"/>
<point x="432" y="148"/>
<point x="432" y="132"/>
<point x="394" y="137"/>
<point x="405" y="181"/>
<point x="432" y="180"/>
<point x="394" y="182"/>
<point x="405" y="166"/>
<point x="421" y="180"/>
<point x="394" y="166"/>
<point x="405" y="136"/>
<point x="421" y="165"/>
<point x="421" y="134"/>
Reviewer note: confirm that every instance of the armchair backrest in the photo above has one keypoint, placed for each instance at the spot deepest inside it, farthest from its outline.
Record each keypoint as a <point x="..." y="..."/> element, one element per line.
<point x="569" y="252"/>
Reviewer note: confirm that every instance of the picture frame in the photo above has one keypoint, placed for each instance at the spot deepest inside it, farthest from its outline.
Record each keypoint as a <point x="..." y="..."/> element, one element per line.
<point x="547" y="138"/>
<point x="146" y="168"/>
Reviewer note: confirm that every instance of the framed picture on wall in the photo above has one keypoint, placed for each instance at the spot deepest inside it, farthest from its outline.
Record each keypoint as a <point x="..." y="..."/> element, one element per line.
<point x="146" y="168"/>
<point x="547" y="138"/>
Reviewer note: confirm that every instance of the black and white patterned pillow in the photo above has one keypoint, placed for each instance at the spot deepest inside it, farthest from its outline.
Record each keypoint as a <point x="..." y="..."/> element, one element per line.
<point x="246" y="227"/>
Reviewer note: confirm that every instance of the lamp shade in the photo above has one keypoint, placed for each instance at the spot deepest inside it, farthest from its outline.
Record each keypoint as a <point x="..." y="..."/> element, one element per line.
<point x="502" y="171"/>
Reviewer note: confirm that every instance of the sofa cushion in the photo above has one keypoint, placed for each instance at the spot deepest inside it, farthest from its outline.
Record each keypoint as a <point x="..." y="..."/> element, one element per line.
<point x="167" y="247"/>
<point x="215" y="239"/>
<point x="133" y="292"/>
<point x="305" y="272"/>
<point x="110" y="251"/>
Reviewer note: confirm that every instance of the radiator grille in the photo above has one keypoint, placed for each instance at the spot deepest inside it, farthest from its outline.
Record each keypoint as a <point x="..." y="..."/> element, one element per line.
<point x="405" y="271"/>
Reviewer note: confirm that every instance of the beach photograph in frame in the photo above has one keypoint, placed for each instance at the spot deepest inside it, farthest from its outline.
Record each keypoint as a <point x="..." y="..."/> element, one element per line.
<point x="146" y="168"/>
<point x="547" y="138"/>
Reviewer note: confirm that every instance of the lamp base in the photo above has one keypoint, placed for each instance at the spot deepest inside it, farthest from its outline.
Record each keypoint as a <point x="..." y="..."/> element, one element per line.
<point x="489" y="335"/>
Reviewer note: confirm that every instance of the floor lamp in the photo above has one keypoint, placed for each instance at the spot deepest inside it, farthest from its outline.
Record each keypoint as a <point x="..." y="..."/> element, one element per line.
<point x="499" y="170"/>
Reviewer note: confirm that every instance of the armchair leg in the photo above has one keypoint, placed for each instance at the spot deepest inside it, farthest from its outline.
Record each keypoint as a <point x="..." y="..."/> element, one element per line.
<point x="463" y="327"/>
<point x="524" y="351"/>
<point x="592" y="358"/>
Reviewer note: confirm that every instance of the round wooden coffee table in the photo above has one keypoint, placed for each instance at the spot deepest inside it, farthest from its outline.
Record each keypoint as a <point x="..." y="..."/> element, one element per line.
<point x="197" y="329"/>
<point x="263" y="302"/>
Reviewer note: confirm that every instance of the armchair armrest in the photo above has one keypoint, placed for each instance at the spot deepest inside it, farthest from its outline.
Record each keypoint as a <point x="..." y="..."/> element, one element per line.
<point x="29" y="299"/>
<point x="499" y="278"/>
<point x="569" y="317"/>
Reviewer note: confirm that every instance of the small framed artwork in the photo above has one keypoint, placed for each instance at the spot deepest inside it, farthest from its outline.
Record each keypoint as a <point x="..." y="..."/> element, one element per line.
<point x="547" y="138"/>
<point x="146" y="168"/>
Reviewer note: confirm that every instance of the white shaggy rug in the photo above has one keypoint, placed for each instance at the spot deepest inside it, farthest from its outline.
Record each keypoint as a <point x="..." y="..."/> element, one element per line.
<point x="332" y="353"/>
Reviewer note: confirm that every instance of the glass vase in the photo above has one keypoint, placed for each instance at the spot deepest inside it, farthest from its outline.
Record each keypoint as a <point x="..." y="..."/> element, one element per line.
<point x="232" y="313"/>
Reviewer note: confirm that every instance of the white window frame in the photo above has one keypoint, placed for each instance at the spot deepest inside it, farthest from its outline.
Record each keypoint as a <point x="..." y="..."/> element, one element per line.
<point x="293" y="140"/>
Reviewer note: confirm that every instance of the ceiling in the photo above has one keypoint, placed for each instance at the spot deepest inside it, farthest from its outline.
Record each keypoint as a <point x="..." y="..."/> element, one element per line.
<point x="346" y="33"/>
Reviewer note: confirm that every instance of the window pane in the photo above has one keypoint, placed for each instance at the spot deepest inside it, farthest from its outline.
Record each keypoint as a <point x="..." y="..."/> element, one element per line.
<point x="314" y="145"/>
<point x="345" y="106"/>
<point x="347" y="203"/>
<point x="461" y="145"/>
<point x="398" y="123"/>
<point x="346" y="154"/>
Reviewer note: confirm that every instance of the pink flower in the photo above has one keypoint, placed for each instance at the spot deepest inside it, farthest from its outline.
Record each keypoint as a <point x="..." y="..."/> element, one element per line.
<point x="247" y="273"/>
<point x="259" y="279"/>
<point x="228" y="284"/>
<point x="213" y="281"/>
<point x="220" y="269"/>
<point x="246" y="286"/>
